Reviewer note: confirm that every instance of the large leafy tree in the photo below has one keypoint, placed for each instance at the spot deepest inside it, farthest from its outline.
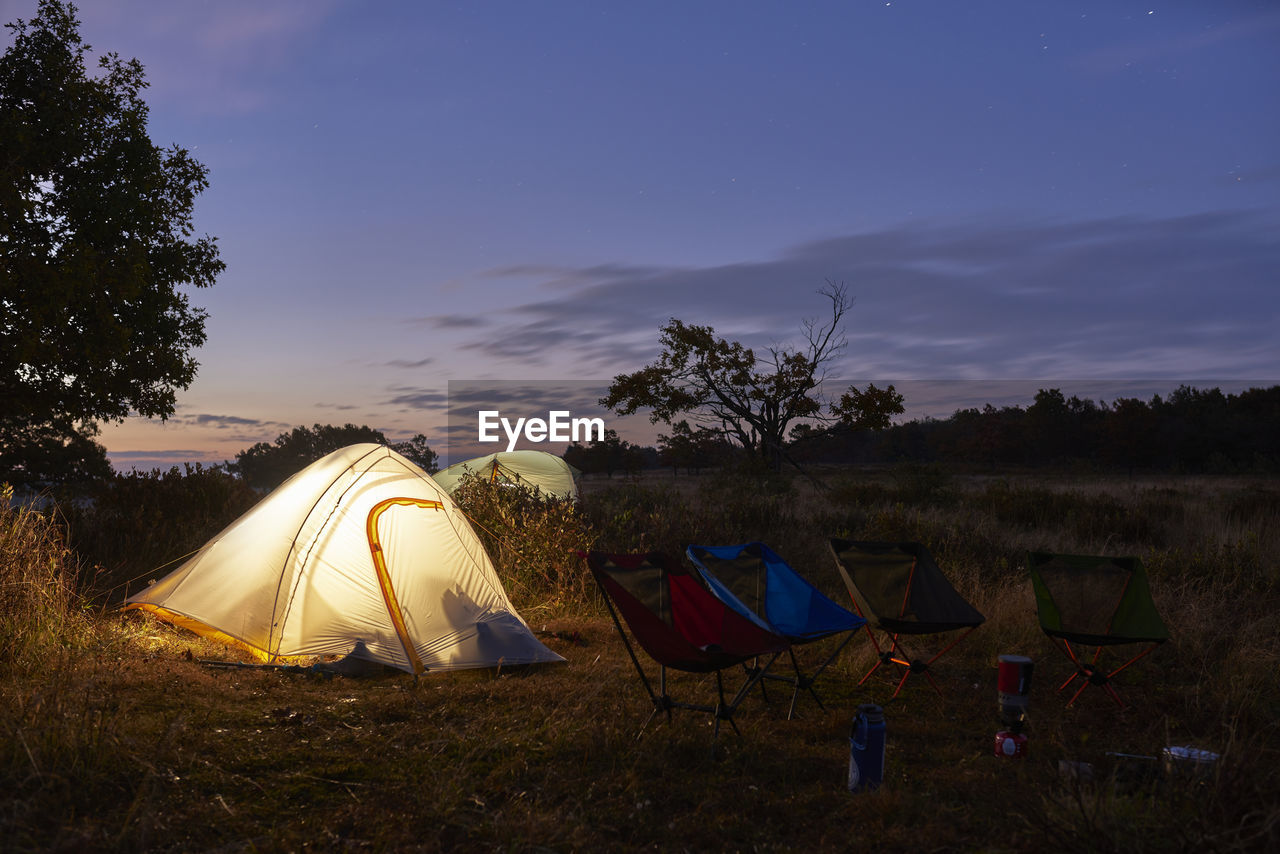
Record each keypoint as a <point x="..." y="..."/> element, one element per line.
<point x="752" y="399"/>
<point x="95" y="244"/>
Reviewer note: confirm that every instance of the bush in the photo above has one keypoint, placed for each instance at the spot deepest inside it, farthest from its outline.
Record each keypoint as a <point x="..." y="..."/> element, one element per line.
<point x="130" y="527"/>
<point x="533" y="540"/>
<point x="37" y="591"/>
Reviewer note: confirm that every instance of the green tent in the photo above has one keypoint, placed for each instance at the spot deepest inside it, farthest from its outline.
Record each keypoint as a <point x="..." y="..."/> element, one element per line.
<point x="546" y="472"/>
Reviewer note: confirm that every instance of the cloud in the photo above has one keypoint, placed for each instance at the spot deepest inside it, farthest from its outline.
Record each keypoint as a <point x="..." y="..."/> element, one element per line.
<point x="207" y="58"/>
<point x="416" y="398"/>
<point x="163" y="460"/>
<point x="525" y="398"/>
<point x="1105" y="298"/>
<point x="449" y="321"/>
<point x="225" y="422"/>
<point x="139" y="455"/>
<point x="404" y="363"/>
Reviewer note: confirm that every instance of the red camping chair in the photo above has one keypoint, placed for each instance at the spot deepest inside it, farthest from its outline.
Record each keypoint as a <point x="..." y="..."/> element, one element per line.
<point x="900" y="591"/>
<point x="1099" y="602"/>
<point x="682" y="626"/>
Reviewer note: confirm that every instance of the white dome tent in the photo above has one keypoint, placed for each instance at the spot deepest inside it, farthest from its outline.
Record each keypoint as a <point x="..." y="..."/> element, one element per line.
<point x="360" y="551"/>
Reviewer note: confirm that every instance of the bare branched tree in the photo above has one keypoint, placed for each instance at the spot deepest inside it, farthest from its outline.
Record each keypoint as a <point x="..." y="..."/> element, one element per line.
<point x="723" y="386"/>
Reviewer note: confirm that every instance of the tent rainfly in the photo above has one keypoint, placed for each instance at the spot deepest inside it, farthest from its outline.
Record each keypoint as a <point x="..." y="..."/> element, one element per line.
<point x="362" y="551"/>
<point x="549" y="473"/>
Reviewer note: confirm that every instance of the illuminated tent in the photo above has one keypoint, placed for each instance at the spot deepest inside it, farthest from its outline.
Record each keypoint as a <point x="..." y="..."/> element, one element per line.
<point x="552" y="475"/>
<point x="360" y="547"/>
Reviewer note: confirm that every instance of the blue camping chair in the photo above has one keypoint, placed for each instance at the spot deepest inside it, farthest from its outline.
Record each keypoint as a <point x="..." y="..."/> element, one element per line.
<point x="752" y="580"/>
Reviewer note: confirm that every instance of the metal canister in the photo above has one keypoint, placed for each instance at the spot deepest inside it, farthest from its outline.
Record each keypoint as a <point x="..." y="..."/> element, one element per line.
<point x="1011" y="745"/>
<point x="1013" y="687"/>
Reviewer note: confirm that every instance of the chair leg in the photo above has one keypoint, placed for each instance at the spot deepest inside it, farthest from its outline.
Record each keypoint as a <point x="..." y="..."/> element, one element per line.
<point x="1090" y="674"/>
<point x="756" y="673"/>
<point x="901" y="682"/>
<point x="874" y="668"/>
<point x="901" y="657"/>
<point x="804" y="682"/>
<point x="880" y="655"/>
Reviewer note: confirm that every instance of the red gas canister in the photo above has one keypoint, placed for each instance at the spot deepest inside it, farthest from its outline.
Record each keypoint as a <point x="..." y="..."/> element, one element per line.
<point x="1011" y="745"/>
<point x="1013" y="684"/>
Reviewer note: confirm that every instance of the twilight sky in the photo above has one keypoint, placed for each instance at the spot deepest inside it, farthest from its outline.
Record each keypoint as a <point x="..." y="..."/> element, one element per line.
<point x="408" y="193"/>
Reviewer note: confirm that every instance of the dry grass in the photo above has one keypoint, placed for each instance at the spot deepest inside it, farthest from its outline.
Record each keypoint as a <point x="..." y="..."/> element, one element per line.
<point x="117" y="738"/>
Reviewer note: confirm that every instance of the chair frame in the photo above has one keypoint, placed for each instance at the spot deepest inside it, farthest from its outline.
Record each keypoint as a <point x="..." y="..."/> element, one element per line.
<point x="896" y="653"/>
<point x="662" y="701"/>
<point x="801" y="681"/>
<point x="1089" y="672"/>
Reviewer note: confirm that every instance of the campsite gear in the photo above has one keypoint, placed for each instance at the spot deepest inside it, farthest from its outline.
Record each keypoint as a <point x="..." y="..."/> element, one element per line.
<point x="359" y="546"/>
<point x="545" y="472"/>
<point x="1013" y="683"/>
<point x="759" y="585"/>
<point x="1011" y="744"/>
<point x="1188" y="762"/>
<point x="866" y="748"/>
<point x="682" y="626"/>
<point x="1095" y="601"/>
<point x="900" y="590"/>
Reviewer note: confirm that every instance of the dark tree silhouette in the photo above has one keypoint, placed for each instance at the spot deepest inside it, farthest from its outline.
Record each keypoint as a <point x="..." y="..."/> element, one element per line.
<point x="95" y="242"/>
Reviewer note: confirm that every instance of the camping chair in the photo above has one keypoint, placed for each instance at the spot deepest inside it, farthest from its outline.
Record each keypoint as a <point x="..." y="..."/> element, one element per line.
<point x="682" y="626"/>
<point x="899" y="589"/>
<point x="758" y="584"/>
<point x="1095" y="601"/>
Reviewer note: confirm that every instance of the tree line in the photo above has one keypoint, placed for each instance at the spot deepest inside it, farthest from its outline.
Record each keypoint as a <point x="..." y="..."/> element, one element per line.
<point x="1191" y="430"/>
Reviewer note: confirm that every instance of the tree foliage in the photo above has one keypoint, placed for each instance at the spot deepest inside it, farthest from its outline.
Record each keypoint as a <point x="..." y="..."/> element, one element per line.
<point x="1190" y="430"/>
<point x="606" y="456"/>
<point x="267" y="465"/>
<point x="95" y="242"/>
<point x="752" y="399"/>
<point x="49" y="451"/>
<point x="691" y="449"/>
<point x="417" y="450"/>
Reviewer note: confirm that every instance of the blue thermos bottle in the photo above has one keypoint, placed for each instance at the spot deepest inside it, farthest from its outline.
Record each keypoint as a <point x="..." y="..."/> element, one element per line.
<point x="866" y="748"/>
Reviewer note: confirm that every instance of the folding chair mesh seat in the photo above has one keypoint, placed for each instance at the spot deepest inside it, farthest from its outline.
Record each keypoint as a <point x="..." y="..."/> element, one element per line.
<point x="900" y="590"/>
<point x="682" y="626"/>
<point x="754" y="581"/>
<point x="1095" y="601"/>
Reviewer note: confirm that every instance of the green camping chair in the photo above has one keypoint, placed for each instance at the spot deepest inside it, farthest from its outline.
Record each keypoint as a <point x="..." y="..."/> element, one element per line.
<point x="1095" y="601"/>
<point x="899" y="590"/>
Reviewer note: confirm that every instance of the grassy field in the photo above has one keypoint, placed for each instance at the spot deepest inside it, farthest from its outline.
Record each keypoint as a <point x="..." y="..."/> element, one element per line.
<point x="116" y="737"/>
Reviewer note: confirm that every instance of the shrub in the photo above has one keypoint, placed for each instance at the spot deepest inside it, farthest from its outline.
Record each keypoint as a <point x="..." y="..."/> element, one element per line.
<point x="37" y="592"/>
<point x="130" y="526"/>
<point x="533" y="540"/>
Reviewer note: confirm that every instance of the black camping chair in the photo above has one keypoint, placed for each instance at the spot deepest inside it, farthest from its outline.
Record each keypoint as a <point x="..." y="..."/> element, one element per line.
<point x="900" y="590"/>
<point x="1095" y="601"/>
<point x="682" y="626"/>
<point x="754" y="581"/>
